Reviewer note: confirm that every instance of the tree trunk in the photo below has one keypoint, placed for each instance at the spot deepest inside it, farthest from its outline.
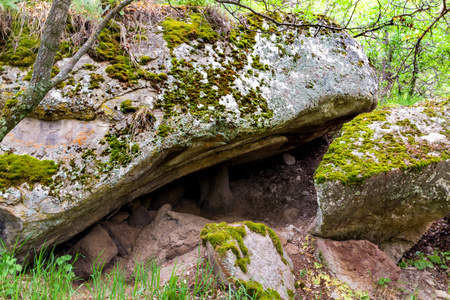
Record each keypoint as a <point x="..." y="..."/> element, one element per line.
<point x="387" y="75"/>
<point x="415" y="73"/>
<point x="25" y="101"/>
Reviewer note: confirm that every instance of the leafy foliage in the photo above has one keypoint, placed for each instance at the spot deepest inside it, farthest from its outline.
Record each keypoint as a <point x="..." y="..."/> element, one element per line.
<point x="8" y="5"/>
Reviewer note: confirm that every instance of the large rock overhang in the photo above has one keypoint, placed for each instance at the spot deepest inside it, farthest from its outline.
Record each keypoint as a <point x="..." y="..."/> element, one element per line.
<point x="286" y="89"/>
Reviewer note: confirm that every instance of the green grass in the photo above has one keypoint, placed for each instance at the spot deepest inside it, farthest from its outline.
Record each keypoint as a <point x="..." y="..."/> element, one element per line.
<point x="404" y="99"/>
<point x="51" y="277"/>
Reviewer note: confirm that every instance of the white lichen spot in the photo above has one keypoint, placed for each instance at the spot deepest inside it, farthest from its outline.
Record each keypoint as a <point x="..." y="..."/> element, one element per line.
<point x="434" y="138"/>
<point x="358" y="154"/>
<point x="230" y="103"/>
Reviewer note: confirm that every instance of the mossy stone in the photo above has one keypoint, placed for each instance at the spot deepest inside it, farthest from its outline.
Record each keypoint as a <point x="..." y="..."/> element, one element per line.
<point x="177" y="32"/>
<point x="17" y="169"/>
<point x="358" y="153"/>
<point x="126" y="107"/>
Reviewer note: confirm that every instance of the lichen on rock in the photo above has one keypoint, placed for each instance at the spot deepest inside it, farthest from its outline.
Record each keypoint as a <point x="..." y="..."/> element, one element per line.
<point x="386" y="139"/>
<point x="386" y="178"/>
<point x="211" y="98"/>
<point x="250" y="255"/>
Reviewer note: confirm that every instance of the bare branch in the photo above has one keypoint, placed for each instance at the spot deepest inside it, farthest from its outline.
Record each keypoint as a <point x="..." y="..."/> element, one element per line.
<point x="278" y="23"/>
<point x="74" y="59"/>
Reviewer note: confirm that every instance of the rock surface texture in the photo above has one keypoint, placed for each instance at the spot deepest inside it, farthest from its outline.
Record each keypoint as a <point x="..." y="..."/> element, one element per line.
<point x="168" y="236"/>
<point x="250" y="254"/>
<point x="118" y="132"/>
<point x="96" y="249"/>
<point x="387" y="177"/>
<point x="358" y="263"/>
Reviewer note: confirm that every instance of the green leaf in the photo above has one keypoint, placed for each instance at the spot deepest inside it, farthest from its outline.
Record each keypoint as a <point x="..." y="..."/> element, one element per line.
<point x="434" y="259"/>
<point x="402" y="264"/>
<point x="420" y="264"/>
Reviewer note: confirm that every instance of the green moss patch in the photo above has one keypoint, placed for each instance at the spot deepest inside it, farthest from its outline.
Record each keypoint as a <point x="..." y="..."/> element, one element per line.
<point x="17" y="169"/>
<point x="224" y="237"/>
<point x="362" y="151"/>
<point x="177" y="32"/>
<point x="145" y="60"/>
<point x="262" y="230"/>
<point x="109" y="49"/>
<point x="21" y="48"/>
<point x="66" y="49"/>
<point x="126" y="106"/>
<point x="256" y="290"/>
<point x="121" y="153"/>
<point x="96" y="79"/>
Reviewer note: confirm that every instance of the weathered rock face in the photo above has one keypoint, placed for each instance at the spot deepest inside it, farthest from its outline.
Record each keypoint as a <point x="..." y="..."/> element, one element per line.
<point x="119" y="133"/>
<point x="168" y="236"/>
<point x="96" y="250"/>
<point x="250" y="254"/>
<point x="387" y="177"/>
<point x="359" y="263"/>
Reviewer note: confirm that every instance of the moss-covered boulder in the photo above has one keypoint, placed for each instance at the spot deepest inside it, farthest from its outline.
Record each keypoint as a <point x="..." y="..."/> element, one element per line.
<point x="249" y="254"/>
<point x="387" y="176"/>
<point x="193" y="96"/>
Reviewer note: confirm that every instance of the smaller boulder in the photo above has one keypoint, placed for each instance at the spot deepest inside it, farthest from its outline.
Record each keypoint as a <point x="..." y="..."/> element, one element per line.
<point x="123" y="235"/>
<point x="288" y="159"/>
<point x="359" y="263"/>
<point x="140" y="217"/>
<point x="168" y="236"/>
<point x="96" y="249"/>
<point x="249" y="254"/>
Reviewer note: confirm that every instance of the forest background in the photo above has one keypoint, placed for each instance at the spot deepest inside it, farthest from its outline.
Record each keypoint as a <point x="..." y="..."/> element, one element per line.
<point x="407" y="41"/>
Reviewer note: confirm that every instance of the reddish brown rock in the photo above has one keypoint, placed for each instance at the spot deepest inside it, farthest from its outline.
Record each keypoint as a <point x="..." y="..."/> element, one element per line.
<point x="123" y="235"/>
<point x="96" y="248"/>
<point x="168" y="236"/>
<point x="359" y="263"/>
<point x="139" y="217"/>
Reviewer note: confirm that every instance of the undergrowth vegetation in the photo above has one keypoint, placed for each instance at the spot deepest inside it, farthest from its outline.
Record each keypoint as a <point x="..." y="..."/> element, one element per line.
<point x="404" y="99"/>
<point x="52" y="277"/>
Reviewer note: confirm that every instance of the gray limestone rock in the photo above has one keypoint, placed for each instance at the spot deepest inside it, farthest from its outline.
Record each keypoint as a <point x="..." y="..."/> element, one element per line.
<point x="259" y="259"/>
<point x="242" y="105"/>
<point x="387" y="177"/>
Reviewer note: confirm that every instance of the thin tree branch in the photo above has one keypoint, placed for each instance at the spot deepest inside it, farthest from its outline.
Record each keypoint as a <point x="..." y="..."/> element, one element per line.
<point x="64" y="73"/>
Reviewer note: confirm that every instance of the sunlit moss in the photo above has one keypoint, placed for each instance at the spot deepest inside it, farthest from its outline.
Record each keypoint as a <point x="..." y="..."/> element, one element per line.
<point x="17" y="169"/>
<point x="358" y="153"/>
<point x="256" y="291"/>
<point x="178" y="32"/>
